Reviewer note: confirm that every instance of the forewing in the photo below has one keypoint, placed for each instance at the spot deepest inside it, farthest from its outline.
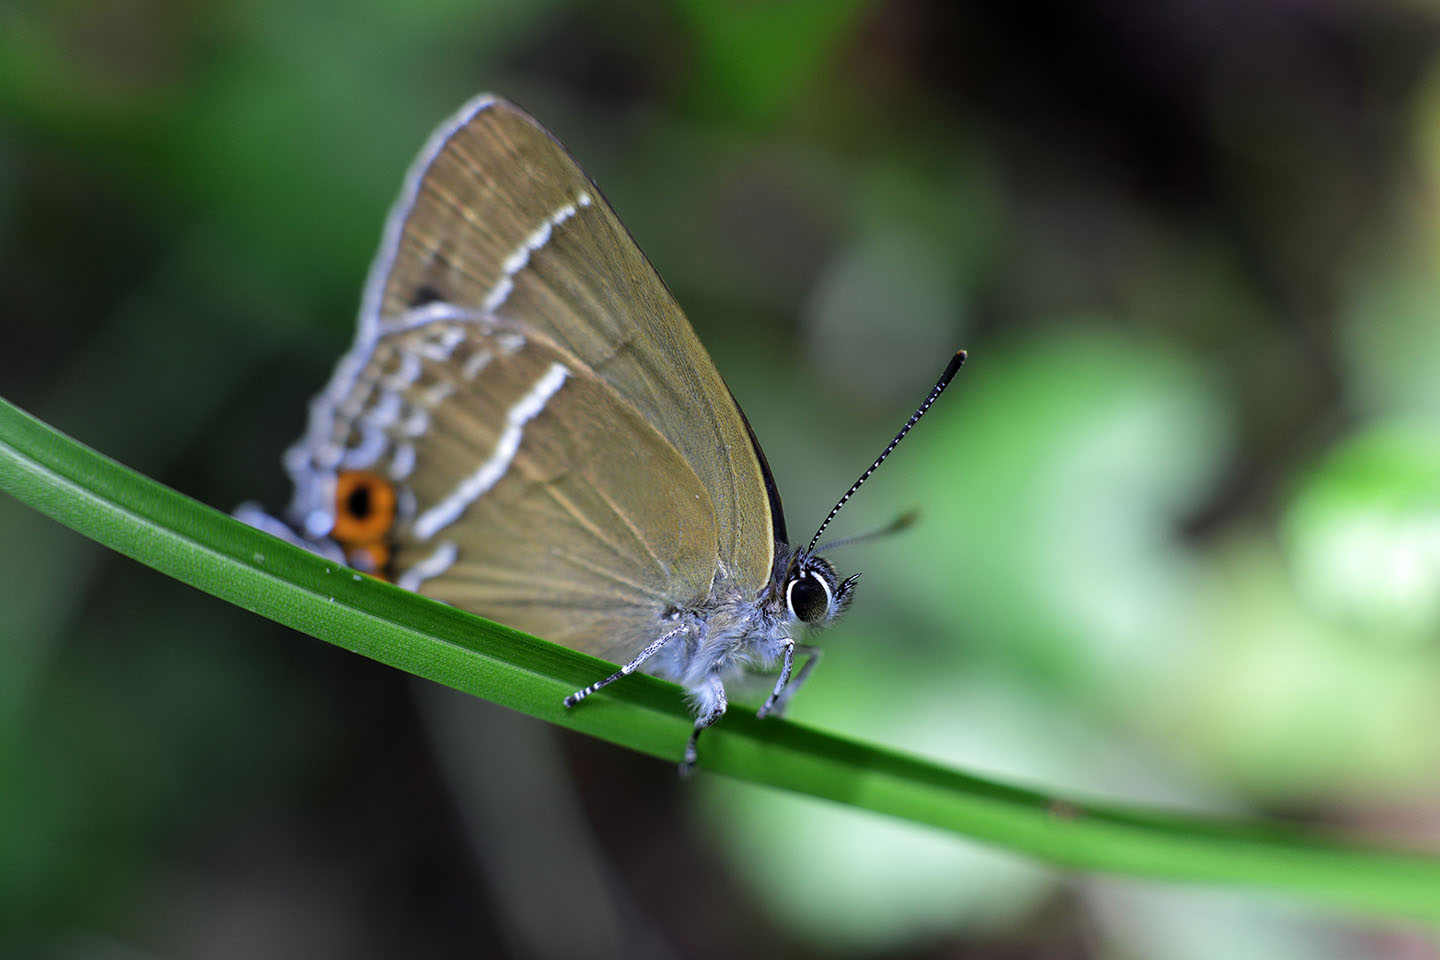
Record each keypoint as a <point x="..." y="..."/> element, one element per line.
<point x="497" y="218"/>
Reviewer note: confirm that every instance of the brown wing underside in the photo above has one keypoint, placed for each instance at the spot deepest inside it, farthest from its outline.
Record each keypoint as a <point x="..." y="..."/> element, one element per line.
<point x="571" y="517"/>
<point x="498" y="218"/>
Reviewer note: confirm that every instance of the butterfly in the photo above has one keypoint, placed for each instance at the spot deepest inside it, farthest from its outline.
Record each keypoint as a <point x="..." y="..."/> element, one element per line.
<point x="527" y="427"/>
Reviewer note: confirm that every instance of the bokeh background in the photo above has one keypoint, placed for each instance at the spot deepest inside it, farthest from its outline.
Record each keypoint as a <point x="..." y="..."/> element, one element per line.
<point x="1180" y="536"/>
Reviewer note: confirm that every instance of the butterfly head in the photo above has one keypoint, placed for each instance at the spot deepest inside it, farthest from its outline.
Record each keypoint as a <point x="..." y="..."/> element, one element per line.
<point x="813" y="591"/>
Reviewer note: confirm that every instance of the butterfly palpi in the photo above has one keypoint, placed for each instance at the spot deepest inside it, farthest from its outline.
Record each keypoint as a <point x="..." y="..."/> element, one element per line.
<point x="527" y="427"/>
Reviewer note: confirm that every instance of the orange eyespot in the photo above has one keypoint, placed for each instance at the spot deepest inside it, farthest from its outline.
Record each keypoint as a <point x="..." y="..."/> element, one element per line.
<point x="364" y="508"/>
<point x="371" y="558"/>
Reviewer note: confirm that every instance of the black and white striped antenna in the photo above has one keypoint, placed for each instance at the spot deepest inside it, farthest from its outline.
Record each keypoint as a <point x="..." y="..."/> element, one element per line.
<point x="950" y="370"/>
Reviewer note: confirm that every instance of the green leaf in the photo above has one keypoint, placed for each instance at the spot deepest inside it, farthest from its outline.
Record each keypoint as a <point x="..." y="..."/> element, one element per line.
<point x="210" y="550"/>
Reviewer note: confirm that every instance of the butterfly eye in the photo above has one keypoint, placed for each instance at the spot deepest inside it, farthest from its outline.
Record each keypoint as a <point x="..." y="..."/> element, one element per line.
<point x="364" y="507"/>
<point x="808" y="597"/>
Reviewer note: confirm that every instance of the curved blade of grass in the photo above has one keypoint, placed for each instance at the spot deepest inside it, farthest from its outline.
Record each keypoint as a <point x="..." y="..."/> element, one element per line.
<point x="209" y="550"/>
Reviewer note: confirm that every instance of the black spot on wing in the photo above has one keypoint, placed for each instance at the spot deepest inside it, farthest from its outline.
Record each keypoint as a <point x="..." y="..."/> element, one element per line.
<point x="358" y="503"/>
<point x="426" y="293"/>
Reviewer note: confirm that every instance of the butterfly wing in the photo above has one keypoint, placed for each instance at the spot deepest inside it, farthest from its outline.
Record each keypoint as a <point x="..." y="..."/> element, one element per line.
<point x="518" y="503"/>
<point x="498" y="217"/>
<point x="569" y="459"/>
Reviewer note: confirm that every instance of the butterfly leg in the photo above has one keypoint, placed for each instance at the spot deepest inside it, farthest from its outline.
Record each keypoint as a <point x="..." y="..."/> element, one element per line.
<point x="712" y="698"/>
<point x="775" y="705"/>
<point x="784" y="678"/>
<point x="625" y="671"/>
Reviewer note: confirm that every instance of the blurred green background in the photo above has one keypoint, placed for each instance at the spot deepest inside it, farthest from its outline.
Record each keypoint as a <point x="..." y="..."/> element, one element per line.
<point x="1180" y="538"/>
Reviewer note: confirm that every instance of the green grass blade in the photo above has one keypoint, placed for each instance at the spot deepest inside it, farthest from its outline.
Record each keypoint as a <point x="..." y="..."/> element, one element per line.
<point x="209" y="550"/>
